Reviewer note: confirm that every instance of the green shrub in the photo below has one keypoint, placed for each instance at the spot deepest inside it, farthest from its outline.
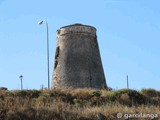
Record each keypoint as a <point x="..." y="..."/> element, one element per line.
<point x="150" y="92"/>
<point x="111" y="96"/>
<point x="134" y="96"/>
<point x="4" y="94"/>
<point x="126" y="96"/>
<point x="27" y="93"/>
<point x="96" y="93"/>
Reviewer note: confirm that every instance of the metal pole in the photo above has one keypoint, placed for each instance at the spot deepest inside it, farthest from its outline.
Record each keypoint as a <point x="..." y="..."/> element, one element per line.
<point x="127" y="83"/>
<point x="48" y="54"/>
<point x="21" y="84"/>
<point x="21" y="77"/>
<point x="40" y="22"/>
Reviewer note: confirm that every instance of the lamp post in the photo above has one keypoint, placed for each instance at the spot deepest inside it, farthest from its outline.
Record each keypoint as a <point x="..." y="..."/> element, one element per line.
<point x="40" y="23"/>
<point x="21" y="77"/>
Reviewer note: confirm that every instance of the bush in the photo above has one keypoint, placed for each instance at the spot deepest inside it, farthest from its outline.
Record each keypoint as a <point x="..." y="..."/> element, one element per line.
<point x="125" y="96"/>
<point x="27" y="93"/>
<point x="96" y="93"/>
<point x="150" y="92"/>
<point x="134" y="96"/>
<point x="3" y="88"/>
<point x="111" y="96"/>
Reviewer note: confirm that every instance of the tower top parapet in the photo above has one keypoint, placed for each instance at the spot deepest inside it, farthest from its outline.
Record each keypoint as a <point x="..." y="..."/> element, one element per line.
<point x="77" y="28"/>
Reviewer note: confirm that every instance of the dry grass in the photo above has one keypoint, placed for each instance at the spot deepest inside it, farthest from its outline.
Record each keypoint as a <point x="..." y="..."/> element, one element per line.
<point x="79" y="104"/>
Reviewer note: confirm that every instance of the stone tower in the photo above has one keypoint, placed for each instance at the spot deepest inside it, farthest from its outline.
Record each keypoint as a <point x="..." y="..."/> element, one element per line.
<point x="77" y="59"/>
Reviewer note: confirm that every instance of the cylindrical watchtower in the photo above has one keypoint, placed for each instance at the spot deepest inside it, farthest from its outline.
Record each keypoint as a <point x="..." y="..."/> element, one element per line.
<point x="77" y="59"/>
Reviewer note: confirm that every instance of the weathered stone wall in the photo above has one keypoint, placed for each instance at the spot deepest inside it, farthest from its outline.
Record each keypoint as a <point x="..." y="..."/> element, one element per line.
<point x="77" y="59"/>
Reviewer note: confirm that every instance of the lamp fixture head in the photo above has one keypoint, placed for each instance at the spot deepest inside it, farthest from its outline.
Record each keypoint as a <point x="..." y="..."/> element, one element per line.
<point x="40" y="22"/>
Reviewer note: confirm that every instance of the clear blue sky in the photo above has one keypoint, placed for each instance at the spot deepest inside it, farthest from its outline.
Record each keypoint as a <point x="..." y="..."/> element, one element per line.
<point x="128" y="35"/>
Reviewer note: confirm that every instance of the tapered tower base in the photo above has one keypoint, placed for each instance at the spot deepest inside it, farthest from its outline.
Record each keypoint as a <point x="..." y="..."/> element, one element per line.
<point x="77" y="59"/>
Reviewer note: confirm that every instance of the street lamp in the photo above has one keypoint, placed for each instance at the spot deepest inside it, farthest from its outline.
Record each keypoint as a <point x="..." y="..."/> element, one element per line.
<point x="21" y="77"/>
<point x="40" y="23"/>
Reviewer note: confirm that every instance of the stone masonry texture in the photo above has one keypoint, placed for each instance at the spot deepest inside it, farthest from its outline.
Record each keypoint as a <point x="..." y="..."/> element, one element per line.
<point x="77" y="59"/>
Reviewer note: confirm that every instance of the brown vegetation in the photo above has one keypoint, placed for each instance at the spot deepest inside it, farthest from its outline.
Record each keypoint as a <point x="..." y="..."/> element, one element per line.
<point x="78" y="104"/>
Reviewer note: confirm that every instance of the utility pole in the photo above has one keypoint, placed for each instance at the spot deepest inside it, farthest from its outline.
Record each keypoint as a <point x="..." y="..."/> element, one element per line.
<point x="127" y="83"/>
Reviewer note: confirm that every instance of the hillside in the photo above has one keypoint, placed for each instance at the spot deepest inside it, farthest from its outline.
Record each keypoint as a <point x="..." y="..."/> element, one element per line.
<point x="79" y="104"/>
